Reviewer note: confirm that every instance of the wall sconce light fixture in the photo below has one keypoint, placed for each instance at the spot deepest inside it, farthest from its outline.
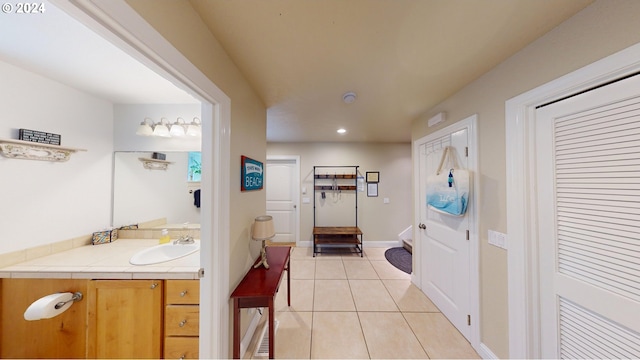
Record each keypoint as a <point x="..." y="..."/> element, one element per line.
<point x="163" y="128"/>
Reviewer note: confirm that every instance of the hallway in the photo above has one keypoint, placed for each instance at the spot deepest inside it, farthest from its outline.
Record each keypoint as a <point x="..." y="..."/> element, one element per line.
<point x="350" y="307"/>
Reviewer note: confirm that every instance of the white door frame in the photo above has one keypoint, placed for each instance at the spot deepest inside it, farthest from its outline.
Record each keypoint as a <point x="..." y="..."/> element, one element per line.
<point x="474" y="250"/>
<point x="117" y="22"/>
<point x="520" y="117"/>
<point x="296" y="196"/>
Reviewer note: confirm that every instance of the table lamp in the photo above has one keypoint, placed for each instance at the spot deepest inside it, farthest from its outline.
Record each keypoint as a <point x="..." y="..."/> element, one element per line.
<point x="263" y="230"/>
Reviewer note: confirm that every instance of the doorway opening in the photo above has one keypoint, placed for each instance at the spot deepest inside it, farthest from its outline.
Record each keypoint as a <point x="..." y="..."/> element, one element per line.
<point x="118" y="23"/>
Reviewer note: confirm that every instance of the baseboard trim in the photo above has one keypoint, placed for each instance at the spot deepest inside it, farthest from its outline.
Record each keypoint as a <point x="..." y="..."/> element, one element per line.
<point x="383" y="244"/>
<point x="251" y="330"/>
<point x="485" y="352"/>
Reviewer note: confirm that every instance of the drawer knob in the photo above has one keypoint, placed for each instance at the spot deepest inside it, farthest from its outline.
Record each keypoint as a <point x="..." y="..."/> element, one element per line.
<point x="182" y="294"/>
<point x="154" y="285"/>
<point x="182" y="323"/>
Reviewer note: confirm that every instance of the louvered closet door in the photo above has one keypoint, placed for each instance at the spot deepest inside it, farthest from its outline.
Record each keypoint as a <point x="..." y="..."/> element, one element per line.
<point x="588" y="165"/>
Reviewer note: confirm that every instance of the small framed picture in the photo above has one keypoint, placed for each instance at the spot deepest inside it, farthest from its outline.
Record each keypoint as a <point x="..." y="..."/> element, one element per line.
<point x="372" y="189"/>
<point x="373" y="176"/>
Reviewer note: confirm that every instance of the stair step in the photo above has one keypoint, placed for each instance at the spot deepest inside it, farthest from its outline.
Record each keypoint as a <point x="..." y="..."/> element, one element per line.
<point x="408" y="245"/>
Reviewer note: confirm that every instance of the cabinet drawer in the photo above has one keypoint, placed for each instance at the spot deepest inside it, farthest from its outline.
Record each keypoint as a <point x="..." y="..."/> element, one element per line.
<point x="182" y="292"/>
<point x="181" y="348"/>
<point x="182" y="320"/>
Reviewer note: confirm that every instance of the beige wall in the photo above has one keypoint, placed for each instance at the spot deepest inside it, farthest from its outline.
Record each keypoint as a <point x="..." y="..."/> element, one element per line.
<point x="378" y="221"/>
<point x="601" y="29"/>
<point x="178" y="22"/>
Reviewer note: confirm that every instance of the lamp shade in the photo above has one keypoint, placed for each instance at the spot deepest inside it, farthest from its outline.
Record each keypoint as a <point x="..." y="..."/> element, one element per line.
<point x="176" y="130"/>
<point x="145" y="128"/>
<point x="161" y="130"/>
<point x="193" y="130"/>
<point x="263" y="228"/>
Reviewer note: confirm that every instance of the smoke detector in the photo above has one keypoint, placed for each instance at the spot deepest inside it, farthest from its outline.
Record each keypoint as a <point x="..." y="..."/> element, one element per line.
<point x="349" y="97"/>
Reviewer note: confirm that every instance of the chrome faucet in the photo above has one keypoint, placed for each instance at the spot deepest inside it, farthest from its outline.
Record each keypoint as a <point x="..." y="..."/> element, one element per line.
<point x="187" y="239"/>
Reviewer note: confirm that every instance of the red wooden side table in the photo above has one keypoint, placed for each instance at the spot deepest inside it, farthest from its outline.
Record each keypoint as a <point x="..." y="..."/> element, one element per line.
<point x="258" y="289"/>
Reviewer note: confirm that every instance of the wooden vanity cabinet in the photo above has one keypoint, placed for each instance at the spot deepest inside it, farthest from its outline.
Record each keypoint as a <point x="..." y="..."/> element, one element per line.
<point x="115" y="319"/>
<point x="60" y="337"/>
<point x="181" y="319"/>
<point x="125" y="319"/>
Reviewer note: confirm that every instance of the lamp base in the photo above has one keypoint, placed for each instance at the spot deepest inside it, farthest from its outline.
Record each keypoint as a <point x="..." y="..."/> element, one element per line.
<point x="263" y="256"/>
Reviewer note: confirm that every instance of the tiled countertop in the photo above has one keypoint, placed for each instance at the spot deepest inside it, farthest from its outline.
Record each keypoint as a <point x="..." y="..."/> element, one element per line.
<point x="105" y="261"/>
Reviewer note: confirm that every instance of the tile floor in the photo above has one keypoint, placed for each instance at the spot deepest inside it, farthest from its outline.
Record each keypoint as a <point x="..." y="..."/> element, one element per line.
<point x="348" y="307"/>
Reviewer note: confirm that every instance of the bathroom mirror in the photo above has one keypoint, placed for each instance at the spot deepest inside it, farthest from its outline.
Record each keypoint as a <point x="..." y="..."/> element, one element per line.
<point x="145" y="194"/>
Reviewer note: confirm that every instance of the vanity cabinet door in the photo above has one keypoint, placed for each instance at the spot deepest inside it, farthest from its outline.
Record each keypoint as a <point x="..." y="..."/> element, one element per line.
<point x="60" y="337"/>
<point x="125" y="319"/>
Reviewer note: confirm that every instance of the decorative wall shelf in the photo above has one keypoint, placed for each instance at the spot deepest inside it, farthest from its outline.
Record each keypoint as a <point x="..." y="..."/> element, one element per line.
<point x="155" y="164"/>
<point x="19" y="149"/>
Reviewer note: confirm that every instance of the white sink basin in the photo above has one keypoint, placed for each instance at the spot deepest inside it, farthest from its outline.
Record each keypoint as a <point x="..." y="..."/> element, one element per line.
<point x="162" y="253"/>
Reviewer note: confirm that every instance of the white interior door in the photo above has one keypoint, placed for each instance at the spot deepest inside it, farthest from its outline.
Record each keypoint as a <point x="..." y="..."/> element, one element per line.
<point x="444" y="239"/>
<point x="588" y="166"/>
<point x="282" y="186"/>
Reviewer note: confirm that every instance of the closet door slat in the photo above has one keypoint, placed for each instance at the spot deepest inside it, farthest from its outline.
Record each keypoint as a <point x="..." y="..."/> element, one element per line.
<point x="597" y="192"/>
<point x="584" y="334"/>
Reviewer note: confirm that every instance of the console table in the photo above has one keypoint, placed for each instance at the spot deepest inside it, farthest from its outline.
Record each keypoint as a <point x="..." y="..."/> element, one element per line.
<point x="258" y="289"/>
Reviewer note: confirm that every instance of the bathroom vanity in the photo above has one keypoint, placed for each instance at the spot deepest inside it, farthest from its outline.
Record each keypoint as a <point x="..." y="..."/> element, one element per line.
<point x="126" y="311"/>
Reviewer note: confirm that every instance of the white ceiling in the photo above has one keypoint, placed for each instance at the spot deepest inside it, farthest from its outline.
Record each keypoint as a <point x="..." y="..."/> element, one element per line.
<point x="58" y="47"/>
<point x="401" y="57"/>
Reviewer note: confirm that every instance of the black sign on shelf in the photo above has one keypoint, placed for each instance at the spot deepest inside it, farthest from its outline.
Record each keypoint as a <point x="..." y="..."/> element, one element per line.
<point x="39" y="137"/>
<point x="159" y="156"/>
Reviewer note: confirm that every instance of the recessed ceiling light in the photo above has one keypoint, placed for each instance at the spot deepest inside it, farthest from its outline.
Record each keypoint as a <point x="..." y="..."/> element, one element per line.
<point x="349" y="97"/>
<point x="341" y="131"/>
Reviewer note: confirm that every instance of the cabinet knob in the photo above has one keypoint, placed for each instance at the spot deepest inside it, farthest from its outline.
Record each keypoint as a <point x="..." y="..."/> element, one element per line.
<point x="422" y="226"/>
<point x="182" y="294"/>
<point x="183" y="356"/>
<point x="182" y="323"/>
<point x="153" y="286"/>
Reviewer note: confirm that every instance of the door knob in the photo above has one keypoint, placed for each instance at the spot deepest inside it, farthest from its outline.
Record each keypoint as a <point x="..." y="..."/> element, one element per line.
<point x="422" y="226"/>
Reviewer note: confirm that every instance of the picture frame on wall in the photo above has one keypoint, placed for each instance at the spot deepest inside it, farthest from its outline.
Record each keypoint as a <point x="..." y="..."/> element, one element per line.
<point x="373" y="176"/>
<point x="372" y="189"/>
<point x="251" y="174"/>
